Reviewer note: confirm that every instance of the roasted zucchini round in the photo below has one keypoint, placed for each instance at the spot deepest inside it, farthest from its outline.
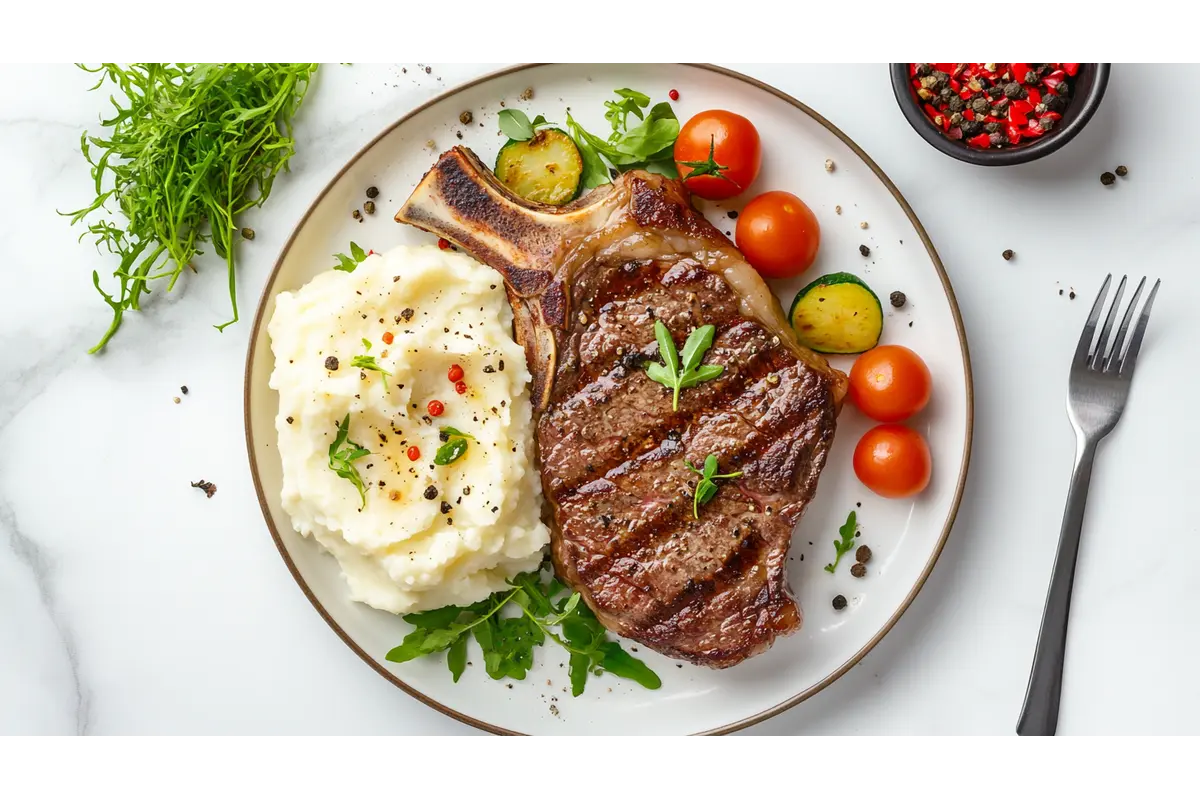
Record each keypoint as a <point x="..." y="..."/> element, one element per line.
<point x="837" y="313"/>
<point x="544" y="169"/>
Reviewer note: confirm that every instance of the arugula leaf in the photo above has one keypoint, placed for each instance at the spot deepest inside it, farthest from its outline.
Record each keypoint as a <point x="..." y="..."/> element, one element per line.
<point x="706" y="489"/>
<point x="845" y="543"/>
<point x="515" y="124"/>
<point x="675" y="376"/>
<point x="632" y="102"/>
<point x="349" y="263"/>
<point x="508" y="642"/>
<point x="658" y="131"/>
<point x="456" y="658"/>
<point x="623" y="665"/>
<point x="342" y="454"/>
<point x="456" y="432"/>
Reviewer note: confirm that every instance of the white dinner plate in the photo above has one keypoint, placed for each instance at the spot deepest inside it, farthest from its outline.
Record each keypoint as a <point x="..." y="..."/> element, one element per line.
<point x="905" y="536"/>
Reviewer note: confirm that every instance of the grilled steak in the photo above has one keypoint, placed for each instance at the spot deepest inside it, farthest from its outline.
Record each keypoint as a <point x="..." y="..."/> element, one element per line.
<point x="586" y="283"/>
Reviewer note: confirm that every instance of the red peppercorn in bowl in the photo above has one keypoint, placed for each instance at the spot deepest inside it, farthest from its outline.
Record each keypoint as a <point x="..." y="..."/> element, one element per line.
<point x="995" y="114"/>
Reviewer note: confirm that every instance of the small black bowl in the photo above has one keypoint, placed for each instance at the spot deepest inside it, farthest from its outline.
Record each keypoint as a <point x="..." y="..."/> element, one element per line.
<point x="1088" y="91"/>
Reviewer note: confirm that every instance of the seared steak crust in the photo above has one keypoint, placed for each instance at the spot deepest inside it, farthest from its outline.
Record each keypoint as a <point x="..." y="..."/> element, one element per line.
<point x="613" y="453"/>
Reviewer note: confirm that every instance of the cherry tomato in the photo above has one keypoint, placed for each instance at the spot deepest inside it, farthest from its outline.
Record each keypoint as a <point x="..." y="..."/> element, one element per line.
<point x="723" y="148"/>
<point x="455" y="373"/>
<point x="890" y="383"/>
<point x="893" y="461"/>
<point x="778" y="234"/>
<point x="435" y="408"/>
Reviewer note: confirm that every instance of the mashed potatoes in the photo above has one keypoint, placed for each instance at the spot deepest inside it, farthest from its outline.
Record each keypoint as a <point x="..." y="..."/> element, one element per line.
<point x="428" y="535"/>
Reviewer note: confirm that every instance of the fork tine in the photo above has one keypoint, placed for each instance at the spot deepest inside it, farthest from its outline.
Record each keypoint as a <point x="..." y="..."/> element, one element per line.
<point x="1113" y="362"/>
<point x="1089" y="328"/>
<point x="1139" y="330"/>
<point x="1097" y="359"/>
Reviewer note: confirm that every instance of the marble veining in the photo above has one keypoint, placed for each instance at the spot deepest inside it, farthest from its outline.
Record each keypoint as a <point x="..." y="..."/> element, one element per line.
<point x="131" y="603"/>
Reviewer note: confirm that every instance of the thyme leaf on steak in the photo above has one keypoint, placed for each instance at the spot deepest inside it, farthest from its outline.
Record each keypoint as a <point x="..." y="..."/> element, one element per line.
<point x="846" y="543"/>
<point x="707" y="487"/>
<point x="508" y="641"/>
<point x="369" y="362"/>
<point x="676" y="375"/>
<point x="342" y="455"/>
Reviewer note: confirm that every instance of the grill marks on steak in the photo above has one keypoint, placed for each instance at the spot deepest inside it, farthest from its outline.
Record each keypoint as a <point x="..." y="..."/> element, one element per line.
<point x="623" y="493"/>
<point x="587" y="283"/>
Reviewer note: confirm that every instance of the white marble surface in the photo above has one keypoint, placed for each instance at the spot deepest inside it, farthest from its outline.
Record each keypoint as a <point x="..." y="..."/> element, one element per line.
<point x="130" y="603"/>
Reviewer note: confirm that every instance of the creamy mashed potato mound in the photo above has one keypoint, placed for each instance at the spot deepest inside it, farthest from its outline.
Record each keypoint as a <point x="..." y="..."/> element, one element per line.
<point x="404" y="551"/>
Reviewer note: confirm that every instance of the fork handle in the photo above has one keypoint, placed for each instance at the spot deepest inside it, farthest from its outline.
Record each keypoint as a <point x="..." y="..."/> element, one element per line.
<point x="1039" y="715"/>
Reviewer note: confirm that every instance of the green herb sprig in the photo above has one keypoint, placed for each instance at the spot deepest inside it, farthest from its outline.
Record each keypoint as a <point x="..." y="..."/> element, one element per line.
<point x="709" y="166"/>
<point x="190" y="148"/>
<point x="845" y="543"/>
<point x="342" y="455"/>
<point x="650" y="145"/>
<point x="707" y="487"/>
<point x="349" y="263"/>
<point x="508" y="641"/>
<point x="454" y="448"/>
<point x="369" y="363"/>
<point x="675" y="375"/>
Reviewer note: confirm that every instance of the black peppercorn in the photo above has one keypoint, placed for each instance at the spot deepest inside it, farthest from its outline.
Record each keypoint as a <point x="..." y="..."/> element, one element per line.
<point x="980" y="105"/>
<point x="1007" y="255"/>
<point x="991" y="127"/>
<point x="1046" y="123"/>
<point x="446" y="507"/>
<point x="1052" y="102"/>
<point x="864" y="250"/>
<point x="372" y="193"/>
<point x="1063" y="89"/>
<point x="898" y="299"/>
<point x="1013" y="90"/>
<point x="331" y="363"/>
<point x="1030" y="77"/>
<point x="1001" y="106"/>
<point x="995" y="91"/>
<point x="956" y="119"/>
<point x="924" y="70"/>
<point x="1122" y="171"/>
<point x="1107" y="178"/>
<point x="369" y="206"/>
<point x="839" y="602"/>
<point x="945" y="94"/>
<point x="997" y="139"/>
<point x="430" y="492"/>
<point x="956" y="103"/>
<point x="466" y="118"/>
<point x="859" y="570"/>
<point x="863" y="554"/>
<point x="971" y="127"/>
<point x="356" y="214"/>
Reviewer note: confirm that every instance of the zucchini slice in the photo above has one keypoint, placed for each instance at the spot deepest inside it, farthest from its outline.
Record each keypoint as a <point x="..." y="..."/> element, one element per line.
<point x="545" y="169"/>
<point x="837" y="313"/>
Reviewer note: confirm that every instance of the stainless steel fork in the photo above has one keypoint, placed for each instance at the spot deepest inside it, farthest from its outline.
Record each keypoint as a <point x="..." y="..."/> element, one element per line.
<point x="1097" y="391"/>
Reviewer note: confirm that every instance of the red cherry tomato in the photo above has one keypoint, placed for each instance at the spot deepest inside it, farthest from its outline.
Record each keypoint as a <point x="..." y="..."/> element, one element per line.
<point x="893" y="461"/>
<point x="890" y="383"/>
<point x="723" y="148"/>
<point x="435" y="408"/>
<point x="414" y="453"/>
<point x="778" y="234"/>
<point x="455" y="374"/>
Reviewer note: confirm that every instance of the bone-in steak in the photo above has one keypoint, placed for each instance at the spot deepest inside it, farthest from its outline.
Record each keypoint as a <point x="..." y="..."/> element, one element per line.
<point x="587" y="282"/>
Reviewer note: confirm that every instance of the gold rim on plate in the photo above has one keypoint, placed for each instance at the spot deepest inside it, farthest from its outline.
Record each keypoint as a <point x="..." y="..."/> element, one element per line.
<point x="733" y="726"/>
